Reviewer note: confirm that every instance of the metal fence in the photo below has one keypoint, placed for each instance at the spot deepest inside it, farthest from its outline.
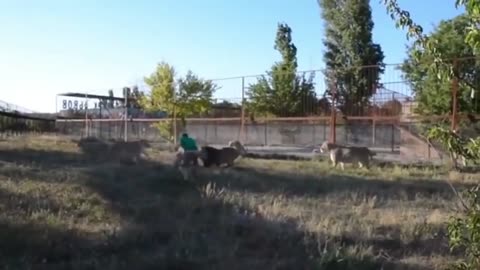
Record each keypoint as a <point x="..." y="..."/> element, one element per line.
<point x="12" y="124"/>
<point x="15" y="120"/>
<point x="388" y="112"/>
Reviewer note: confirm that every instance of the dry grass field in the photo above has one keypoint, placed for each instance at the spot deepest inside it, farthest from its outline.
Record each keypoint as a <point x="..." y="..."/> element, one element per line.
<point x="61" y="209"/>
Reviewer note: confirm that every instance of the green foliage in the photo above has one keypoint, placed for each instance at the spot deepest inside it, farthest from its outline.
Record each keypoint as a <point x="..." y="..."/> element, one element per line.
<point x="166" y="129"/>
<point x="162" y="93"/>
<point x="464" y="232"/>
<point x="434" y="92"/>
<point x="402" y="20"/>
<point x="349" y="50"/>
<point x="415" y="31"/>
<point x="421" y="42"/>
<point x="282" y="92"/>
<point x="179" y="98"/>
<point x="194" y="95"/>
<point x="457" y="146"/>
<point x="449" y="140"/>
<point x="472" y="8"/>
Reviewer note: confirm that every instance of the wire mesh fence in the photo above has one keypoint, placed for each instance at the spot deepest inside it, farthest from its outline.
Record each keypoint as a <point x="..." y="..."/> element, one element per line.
<point x="385" y="108"/>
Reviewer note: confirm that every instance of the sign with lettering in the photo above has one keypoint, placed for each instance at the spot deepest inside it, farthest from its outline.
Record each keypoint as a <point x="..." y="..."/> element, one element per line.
<point x="74" y="104"/>
<point x="79" y="104"/>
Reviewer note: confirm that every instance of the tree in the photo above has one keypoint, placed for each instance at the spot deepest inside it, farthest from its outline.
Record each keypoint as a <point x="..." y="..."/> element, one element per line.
<point x="162" y="89"/>
<point x="282" y="92"/>
<point x="434" y="93"/>
<point x="194" y="96"/>
<point x="181" y="98"/>
<point x="349" y="49"/>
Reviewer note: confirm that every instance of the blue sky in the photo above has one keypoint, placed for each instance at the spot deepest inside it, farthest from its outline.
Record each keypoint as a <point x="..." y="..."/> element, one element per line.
<point x="53" y="46"/>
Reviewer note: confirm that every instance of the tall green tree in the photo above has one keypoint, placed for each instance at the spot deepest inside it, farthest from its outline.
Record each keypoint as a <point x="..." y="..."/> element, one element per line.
<point x="282" y="92"/>
<point x="194" y="95"/>
<point x="432" y="92"/>
<point x="182" y="97"/>
<point x="354" y="62"/>
<point x="162" y="89"/>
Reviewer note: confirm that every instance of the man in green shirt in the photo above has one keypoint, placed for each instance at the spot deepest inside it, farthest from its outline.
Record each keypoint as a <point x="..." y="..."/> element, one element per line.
<point x="190" y="149"/>
<point x="187" y="143"/>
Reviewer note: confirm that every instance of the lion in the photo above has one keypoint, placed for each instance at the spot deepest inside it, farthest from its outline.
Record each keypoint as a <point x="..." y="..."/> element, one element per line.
<point x="129" y="152"/>
<point x="347" y="154"/>
<point x="239" y="146"/>
<point x="211" y="155"/>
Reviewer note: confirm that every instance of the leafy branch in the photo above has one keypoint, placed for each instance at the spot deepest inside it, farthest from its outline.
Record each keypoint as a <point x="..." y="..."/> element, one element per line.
<point x="458" y="147"/>
<point x="464" y="232"/>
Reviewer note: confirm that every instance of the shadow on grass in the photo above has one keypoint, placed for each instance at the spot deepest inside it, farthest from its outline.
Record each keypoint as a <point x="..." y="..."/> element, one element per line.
<point x="183" y="229"/>
<point x="172" y="224"/>
<point x="419" y="165"/>
<point x="290" y="184"/>
<point x="422" y="245"/>
<point x="44" y="158"/>
<point x="426" y="165"/>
